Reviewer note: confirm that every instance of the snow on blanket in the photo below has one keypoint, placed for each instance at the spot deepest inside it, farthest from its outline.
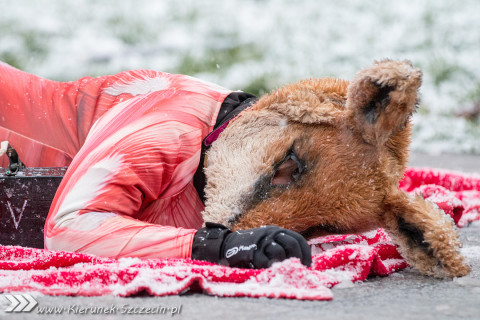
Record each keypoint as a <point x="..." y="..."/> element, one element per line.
<point x="337" y="259"/>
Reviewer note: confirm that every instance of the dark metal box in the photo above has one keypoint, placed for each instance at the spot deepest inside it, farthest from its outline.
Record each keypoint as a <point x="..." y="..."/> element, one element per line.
<point x="25" y="200"/>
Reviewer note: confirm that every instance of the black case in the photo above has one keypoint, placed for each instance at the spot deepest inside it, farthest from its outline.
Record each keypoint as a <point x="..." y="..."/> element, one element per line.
<point x="25" y="200"/>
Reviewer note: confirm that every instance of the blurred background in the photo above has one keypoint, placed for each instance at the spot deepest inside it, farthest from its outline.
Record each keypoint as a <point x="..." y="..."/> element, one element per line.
<point x="259" y="45"/>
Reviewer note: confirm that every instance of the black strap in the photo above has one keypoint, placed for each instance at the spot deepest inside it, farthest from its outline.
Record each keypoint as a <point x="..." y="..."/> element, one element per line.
<point x="207" y="243"/>
<point x="231" y="107"/>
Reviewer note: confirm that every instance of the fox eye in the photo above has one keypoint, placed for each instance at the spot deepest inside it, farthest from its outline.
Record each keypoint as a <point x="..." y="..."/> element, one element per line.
<point x="288" y="171"/>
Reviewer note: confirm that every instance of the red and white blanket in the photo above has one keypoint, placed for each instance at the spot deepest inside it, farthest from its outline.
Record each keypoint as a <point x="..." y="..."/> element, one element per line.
<point x="337" y="259"/>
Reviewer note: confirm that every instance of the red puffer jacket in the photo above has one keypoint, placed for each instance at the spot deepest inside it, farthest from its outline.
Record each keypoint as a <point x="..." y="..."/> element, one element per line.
<point x="132" y="143"/>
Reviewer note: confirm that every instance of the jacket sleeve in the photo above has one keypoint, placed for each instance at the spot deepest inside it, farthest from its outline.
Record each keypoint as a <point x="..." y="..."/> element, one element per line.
<point x="45" y="121"/>
<point x="129" y="190"/>
<point x="98" y="208"/>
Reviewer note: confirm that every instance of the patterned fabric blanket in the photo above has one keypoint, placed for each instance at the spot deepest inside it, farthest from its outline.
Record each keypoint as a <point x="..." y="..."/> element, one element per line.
<point x="337" y="259"/>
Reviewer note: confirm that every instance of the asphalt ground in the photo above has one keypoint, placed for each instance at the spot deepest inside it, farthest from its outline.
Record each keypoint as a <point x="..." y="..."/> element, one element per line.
<point x="402" y="295"/>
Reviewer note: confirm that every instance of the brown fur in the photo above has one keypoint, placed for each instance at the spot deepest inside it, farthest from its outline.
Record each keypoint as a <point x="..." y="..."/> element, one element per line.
<point x="353" y="139"/>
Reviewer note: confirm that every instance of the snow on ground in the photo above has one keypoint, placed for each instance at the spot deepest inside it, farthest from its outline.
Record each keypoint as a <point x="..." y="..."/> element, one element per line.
<point x="259" y="45"/>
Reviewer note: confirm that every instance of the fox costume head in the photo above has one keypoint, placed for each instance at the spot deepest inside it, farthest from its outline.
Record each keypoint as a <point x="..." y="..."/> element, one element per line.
<point x="326" y="156"/>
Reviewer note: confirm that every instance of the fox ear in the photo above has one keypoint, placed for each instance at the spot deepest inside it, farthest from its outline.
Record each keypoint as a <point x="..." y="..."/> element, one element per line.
<point x="381" y="98"/>
<point x="425" y="235"/>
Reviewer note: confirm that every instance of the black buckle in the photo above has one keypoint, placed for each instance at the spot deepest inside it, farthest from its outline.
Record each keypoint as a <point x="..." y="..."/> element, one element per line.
<point x="15" y="164"/>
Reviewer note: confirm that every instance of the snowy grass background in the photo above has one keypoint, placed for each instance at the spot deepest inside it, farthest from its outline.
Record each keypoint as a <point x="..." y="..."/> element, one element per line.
<point x="259" y="45"/>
